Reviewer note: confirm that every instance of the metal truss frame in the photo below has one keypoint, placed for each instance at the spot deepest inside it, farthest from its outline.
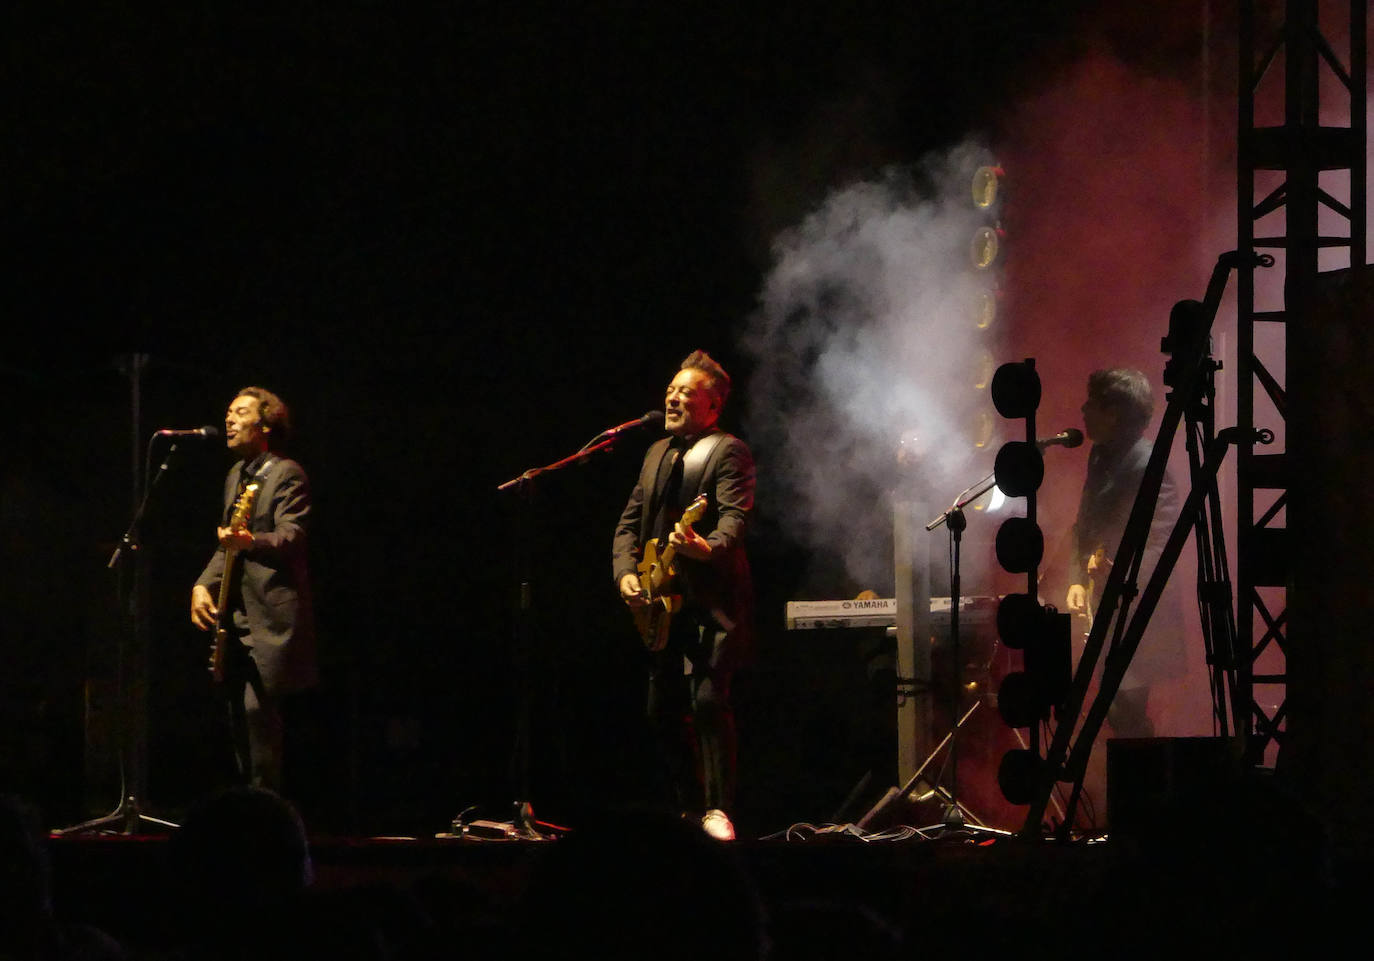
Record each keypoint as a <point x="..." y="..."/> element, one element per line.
<point x="1301" y="149"/>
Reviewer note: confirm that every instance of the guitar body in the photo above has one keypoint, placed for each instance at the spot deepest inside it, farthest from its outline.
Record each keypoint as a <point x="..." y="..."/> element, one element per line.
<point x="221" y="650"/>
<point x="1100" y="562"/>
<point x="656" y="576"/>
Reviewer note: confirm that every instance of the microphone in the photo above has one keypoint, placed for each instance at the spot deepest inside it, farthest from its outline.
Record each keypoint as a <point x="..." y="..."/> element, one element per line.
<point x="652" y="417"/>
<point x="209" y="431"/>
<point x="1073" y="437"/>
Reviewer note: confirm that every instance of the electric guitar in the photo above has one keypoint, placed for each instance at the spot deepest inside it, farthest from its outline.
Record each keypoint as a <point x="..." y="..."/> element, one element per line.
<point x="656" y="576"/>
<point x="1102" y="562"/>
<point x="220" y="650"/>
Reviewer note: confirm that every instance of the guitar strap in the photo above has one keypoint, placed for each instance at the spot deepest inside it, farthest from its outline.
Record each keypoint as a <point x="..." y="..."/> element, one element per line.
<point x="693" y="469"/>
<point x="677" y="477"/>
<point x="261" y="472"/>
<point x="694" y="464"/>
<point x="246" y="477"/>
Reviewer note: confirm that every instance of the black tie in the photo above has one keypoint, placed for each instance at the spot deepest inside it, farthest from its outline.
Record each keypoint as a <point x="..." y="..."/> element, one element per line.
<point x="670" y="500"/>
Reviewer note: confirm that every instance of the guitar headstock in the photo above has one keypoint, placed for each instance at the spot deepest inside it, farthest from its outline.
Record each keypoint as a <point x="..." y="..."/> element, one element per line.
<point x="694" y="511"/>
<point x="243" y="507"/>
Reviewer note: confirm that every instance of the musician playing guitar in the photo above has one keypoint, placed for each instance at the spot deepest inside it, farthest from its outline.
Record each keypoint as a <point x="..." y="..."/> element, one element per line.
<point x="690" y="669"/>
<point x="269" y="647"/>
<point x="1116" y="413"/>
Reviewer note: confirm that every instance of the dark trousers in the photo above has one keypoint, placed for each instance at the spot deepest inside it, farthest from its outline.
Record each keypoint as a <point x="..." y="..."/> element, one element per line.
<point x="689" y="710"/>
<point x="255" y="722"/>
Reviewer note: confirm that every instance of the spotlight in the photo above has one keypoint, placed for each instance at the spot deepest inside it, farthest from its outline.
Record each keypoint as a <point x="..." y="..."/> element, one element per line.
<point x="1019" y="468"/>
<point x="986" y="182"/>
<point x="981" y="429"/>
<point x="1019" y="545"/>
<point x="985" y="309"/>
<point x="983" y="368"/>
<point x="1018" y="775"/>
<point x="1016" y="614"/>
<point x="1042" y="635"/>
<point x="986" y="244"/>
<point x="1016" y="390"/>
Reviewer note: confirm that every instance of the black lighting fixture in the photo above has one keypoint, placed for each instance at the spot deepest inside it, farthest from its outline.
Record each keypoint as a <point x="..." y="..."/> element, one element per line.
<point x="1041" y="634"/>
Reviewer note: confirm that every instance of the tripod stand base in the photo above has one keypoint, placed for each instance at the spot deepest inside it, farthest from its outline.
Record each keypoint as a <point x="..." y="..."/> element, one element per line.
<point x="128" y="818"/>
<point x="953" y="812"/>
<point x="522" y="826"/>
<point x="954" y="815"/>
<point x="525" y="827"/>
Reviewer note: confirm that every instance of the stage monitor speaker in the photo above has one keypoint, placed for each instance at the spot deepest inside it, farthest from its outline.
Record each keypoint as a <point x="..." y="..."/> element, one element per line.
<point x="1158" y="785"/>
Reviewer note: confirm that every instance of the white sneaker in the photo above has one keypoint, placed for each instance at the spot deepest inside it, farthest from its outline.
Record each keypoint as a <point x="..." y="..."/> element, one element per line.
<point x="715" y="823"/>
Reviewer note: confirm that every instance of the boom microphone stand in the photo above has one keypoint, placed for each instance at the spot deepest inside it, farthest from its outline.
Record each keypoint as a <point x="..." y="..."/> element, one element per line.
<point x="524" y="825"/>
<point x="955" y="815"/>
<point x="131" y="668"/>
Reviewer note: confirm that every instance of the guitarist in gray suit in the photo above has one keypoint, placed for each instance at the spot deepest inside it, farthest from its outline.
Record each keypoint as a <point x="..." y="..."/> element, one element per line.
<point x="262" y="613"/>
<point x="690" y="672"/>
<point x="1116" y="414"/>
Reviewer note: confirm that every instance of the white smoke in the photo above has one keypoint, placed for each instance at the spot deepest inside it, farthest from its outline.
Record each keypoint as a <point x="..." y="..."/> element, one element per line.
<point x="865" y="341"/>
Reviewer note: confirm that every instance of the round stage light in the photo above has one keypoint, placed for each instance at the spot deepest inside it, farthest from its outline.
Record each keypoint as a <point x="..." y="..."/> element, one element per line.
<point x="986" y="182"/>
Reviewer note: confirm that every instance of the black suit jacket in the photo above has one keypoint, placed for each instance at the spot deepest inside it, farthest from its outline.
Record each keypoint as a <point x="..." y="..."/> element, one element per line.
<point x="275" y="606"/>
<point x="721" y="586"/>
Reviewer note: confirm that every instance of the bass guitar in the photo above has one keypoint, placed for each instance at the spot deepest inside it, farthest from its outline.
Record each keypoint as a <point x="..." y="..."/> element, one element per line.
<point x="220" y="651"/>
<point x="656" y="575"/>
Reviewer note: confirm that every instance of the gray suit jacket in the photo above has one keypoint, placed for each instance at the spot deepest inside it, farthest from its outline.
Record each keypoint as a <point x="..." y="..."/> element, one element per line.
<point x="273" y="605"/>
<point x="1109" y="491"/>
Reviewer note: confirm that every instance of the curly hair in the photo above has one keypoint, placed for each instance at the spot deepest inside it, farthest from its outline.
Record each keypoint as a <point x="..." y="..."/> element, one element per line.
<point x="274" y="413"/>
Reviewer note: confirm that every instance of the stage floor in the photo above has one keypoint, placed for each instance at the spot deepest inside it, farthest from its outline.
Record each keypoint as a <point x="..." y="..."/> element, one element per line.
<point x="1213" y="884"/>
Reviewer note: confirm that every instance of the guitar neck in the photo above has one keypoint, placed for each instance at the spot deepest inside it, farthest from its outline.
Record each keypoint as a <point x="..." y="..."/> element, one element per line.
<point x="225" y="582"/>
<point x="238" y="521"/>
<point x="665" y="564"/>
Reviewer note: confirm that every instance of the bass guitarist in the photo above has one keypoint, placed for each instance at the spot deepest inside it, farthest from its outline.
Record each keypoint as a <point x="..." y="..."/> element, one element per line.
<point x="268" y="645"/>
<point x="689" y="676"/>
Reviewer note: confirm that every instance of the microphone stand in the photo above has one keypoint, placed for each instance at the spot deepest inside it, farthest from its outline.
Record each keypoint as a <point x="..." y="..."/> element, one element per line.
<point x="954" y="519"/>
<point x="955" y="816"/>
<point x="526" y="480"/>
<point x="524" y="825"/>
<point x="132" y="685"/>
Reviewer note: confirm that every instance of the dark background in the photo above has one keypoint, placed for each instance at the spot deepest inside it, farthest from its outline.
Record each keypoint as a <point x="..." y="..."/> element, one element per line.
<point x="459" y="239"/>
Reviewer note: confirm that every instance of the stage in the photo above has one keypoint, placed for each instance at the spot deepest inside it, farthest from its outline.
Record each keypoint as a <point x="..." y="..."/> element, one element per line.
<point x="1205" y="882"/>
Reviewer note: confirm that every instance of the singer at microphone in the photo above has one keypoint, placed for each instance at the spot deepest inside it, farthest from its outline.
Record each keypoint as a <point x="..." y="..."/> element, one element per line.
<point x="253" y="597"/>
<point x="711" y="623"/>
<point x="1116" y="413"/>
